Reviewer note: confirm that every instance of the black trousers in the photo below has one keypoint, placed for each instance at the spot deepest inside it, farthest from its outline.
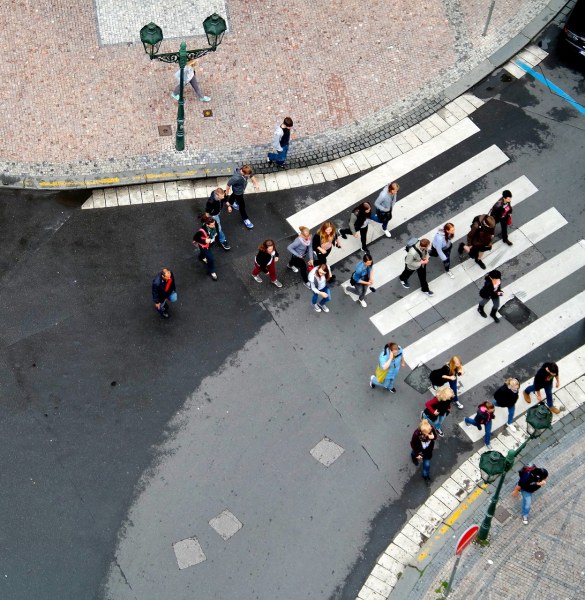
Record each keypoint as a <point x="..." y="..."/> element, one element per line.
<point x="239" y="198"/>
<point x="301" y="265"/>
<point x="504" y="224"/>
<point x="422" y="276"/>
<point x="363" y="234"/>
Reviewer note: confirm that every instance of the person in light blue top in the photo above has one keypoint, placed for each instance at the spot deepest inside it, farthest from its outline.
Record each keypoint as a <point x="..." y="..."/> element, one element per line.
<point x="363" y="278"/>
<point x="389" y="363"/>
<point x="384" y="204"/>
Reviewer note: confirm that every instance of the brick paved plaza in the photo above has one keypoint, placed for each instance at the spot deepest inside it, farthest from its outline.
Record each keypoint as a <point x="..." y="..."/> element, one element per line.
<point x="80" y="95"/>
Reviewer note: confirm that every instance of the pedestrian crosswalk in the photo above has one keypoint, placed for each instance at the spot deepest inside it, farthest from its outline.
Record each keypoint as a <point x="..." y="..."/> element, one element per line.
<point x="456" y="323"/>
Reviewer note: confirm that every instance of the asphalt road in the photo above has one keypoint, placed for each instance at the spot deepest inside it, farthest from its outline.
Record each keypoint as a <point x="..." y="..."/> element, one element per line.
<point x="122" y="433"/>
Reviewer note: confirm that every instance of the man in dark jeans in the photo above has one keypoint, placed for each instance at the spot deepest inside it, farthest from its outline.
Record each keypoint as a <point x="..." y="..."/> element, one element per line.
<point x="280" y="143"/>
<point x="238" y="182"/>
<point x="417" y="259"/>
<point x="164" y="291"/>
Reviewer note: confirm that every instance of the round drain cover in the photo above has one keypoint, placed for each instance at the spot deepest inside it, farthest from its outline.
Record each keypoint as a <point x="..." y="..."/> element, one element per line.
<point x="539" y="555"/>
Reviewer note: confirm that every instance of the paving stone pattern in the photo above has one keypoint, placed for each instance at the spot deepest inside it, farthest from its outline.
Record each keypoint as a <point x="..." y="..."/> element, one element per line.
<point x="350" y="74"/>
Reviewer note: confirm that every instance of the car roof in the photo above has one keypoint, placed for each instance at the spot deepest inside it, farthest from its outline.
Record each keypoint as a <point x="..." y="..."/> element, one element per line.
<point x="576" y="20"/>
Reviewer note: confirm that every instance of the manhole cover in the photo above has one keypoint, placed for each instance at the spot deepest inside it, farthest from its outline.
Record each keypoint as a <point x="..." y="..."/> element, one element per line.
<point x="208" y="112"/>
<point x="539" y="555"/>
<point x="517" y="313"/>
<point x="165" y="130"/>
<point x="418" y="379"/>
<point x="502" y="514"/>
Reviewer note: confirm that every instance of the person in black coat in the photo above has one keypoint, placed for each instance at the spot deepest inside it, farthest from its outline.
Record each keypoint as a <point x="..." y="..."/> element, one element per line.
<point x="531" y="479"/>
<point x="422" y="444"/>
<point x="491" y="290"/>
<point x="164" y="291"/>
<point x="543" y="380"/>
<point x="507" y="396"/>
<point x="502" y="212"/>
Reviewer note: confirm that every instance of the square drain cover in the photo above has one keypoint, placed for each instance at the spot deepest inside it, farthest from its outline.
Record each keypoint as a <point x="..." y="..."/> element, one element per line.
<point x="165" y="130"/>
<point x="517" y="313"/>
<point x="418" y="379"/>
<point x="502" y="514"/>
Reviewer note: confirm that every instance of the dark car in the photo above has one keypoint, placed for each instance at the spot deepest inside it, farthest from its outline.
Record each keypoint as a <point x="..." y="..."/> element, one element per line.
<point x="574" y="31"/>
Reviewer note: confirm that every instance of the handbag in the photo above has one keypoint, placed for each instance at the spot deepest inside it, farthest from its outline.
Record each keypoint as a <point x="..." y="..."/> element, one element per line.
<point x="381" y="374"/>
<point x="509" y="219"/>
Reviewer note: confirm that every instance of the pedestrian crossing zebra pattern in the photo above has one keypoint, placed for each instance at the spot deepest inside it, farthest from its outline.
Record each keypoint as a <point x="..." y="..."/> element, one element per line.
<point x="467" y="323"/>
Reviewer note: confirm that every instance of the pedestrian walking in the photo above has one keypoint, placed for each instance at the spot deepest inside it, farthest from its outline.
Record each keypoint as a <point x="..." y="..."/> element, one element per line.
<point x="390" y="361"/>
<point x="319" y="279"/>
<point x="449" y="373"/>
<point x="530" y="479"/>
<point x="362" y="278"/>
<point x="189" y="77"/>
<point x="301" y="249"/>
<point x="281" y="143"/>
<point x="164" y="290"/>
<point x="484" y="416"/>
<point x="237" y="183"/>
<point x="213" y="208"/>
<point x="417" y="258"/>
<point x="358" y="224"/>
<point x="491" y="290"/>
<point x="438" y="408"/>
<point x="443" y="244"/>
<point x="384" y="204"/>
<point x="422" y="444"/>
<point x="323" y="241"/>
<point x="502" y="212"/>
<point x="507" y="396"/>
<point x="479" y="238"/>
<point x="203" y="238"/>
<point x="265" y="262"/>
<point x="543" y="380"/>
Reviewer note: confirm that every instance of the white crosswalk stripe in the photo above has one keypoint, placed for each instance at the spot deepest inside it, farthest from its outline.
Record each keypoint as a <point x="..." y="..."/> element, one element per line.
<point x="415" y="303"/>
<point x="543" y="277"/>
<point x="375" y="180"/>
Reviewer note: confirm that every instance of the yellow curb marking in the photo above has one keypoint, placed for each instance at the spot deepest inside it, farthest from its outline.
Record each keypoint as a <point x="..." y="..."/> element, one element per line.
<point x="453" y="518"/>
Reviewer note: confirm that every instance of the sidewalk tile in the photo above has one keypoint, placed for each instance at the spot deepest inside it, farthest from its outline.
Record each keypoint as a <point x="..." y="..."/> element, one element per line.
<point x="211" y="186"/>
<point x="537" y="51"/>
<point x="471" y="471"/>
<point x="567" y="399"/>
<point x="434" y="520"/>
<point x="99" y="198"/>
<point x="422" y="525"/>
<point x="367" y="593"/>
<point x="401" y="142"/>
<point x="421" y="133"/>
<point x="526" y="56"/>
<point x="464" y="105"/>
<point x="473" y="99"/>
<point x="282" y="180"/>
<point x="457" y="491"/>
<point x="339" y="168"/>
<point x="261" y="179"/>
<point x="186" y="189"/>
<point x="111" y="197"/>
<point x="172" y="190"/>
<point x="439" y="122"/>
<point x="411" y="138"/>
<point x="88" y="204"/>
<point x="305" y="177"/>
<point x="201" y="189"/>
<point x="371" y="157"/>
<point x="399" y="555"/>
<point x="507" y="441"/>
<point x="293" y="178"/>
<point x="349" y="164"/>
<point x="406" y="544"/>
<point x="499" y="447"/>
<point x="379" y="586"/>
<point x="123" y="196"/>
<point x="271" y="185"/>
<point x="328" y="172"/>
<point x="222" y="181"/>
<point x="464" y="481"/>
<point x="316" y="174"/>
<point x="456" y="110"/>
<point x="361" y="161"/>
<point x="437" y="506"/>
<point x="391" y="147"/>
<point x="431" y="129"/>
<point x="391" y="564"/>
<point x="382" y="153"/>
<point x="413" y="534"/>
<point x="448" y="116"/>
<point x="160" y="192"/>
<point x="577" y="392"/>
<point x="447" y="499"/>
<point x="147" y="193"/>
<point x="384" y="575"/>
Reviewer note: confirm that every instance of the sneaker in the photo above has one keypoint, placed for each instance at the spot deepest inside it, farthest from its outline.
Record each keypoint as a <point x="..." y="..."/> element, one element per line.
<point x="165" y="314"/>
<point x="248" y="224"/>
<point x="480" y="263"/>
<point x="317" y="308"/>
<point x="450" y="275"/>
<point x="458" y="404"/>
<point x="225" y="245"/>
<point x="554" y="409"/>
<point x="429" y="293"/>
<point x="467" y="424"/>
<point x="363" y="303"/>
<point x="324" y="308"/>
<point x="441" y="433"/>
<point x="525" y="520"/>
<point x="175" y="96"/>
<point x="489" y="447"/>
<point x="511" y="427"/>
<point x="257" y="278"/>
<point x="527" y="398"/>
<point x="508" y="242"/>
<point x="235" y="206"/>
<point x="427" y="479"/>
<point x="205" y="99"/>
<point x="307" y="284"/>
<point x="387" y="233"/>
<point x="392" y="390"/>
<point x="203" y="260"/>
<point x="292" y="268"/>
<point x="482" y="312"/>
<point x="372" y="382"/>
<point x="343" y="235"/>
<point x="214" y="276"/>
<point x="277" y="283"/>
<point x="365" y="249"/>
<point x="405" y="285"/>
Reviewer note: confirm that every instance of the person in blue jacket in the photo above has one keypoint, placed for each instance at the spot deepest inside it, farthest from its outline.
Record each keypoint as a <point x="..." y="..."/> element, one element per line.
<point x="389" y="363"/>
<point x="363" y="277"/>
<point x="164" y="290"/>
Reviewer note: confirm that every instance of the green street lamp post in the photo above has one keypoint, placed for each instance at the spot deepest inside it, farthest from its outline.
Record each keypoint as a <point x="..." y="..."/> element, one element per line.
<point x="151" y="36"/>
<point x="494" y="465"/>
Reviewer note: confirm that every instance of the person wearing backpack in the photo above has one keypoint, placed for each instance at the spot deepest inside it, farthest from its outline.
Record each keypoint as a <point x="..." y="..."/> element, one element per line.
<point x="484" y="416"/>
<point x="442" y="246"/>
<point x="479" y="238"/>
<point x="358" y="224"/>
<point x="363" y="278"/>
<point x="384" y="204"/>
<point x="203" y="238"/>
<point x="213" y="209"/>
<point x="531" y="478"/>
<point x="491" y="290"/>
<point x="417" y="258"/>
<point x="389" y="363"/>
<point x="502" y="212"/>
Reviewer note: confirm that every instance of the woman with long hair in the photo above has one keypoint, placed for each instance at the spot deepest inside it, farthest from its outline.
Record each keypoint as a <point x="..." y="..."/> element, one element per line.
<point x="507" y="396"/>
<point x="389" y="363"/>
<point x="484" y="416"/>
<point x="422" y="444"/>
<point x="449" y="373"/>
<point x="319" y="277"/>
<point x="323" y="241"/>
<point x="384" y="204"/>
<point x="363" y="278"/>
<point x="265" y="262"/>
<point x="437" y="409"/>
<point x="358" y="223"/>
<point x="300" y="249"/>
<point x="442" y="245"/>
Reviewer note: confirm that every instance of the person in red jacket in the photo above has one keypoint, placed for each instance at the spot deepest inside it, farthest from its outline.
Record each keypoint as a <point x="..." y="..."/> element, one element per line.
<point x="203" y="238"/>
<point x="265" y="262"/>
<point x="437" y="409"/>
<point x="164" y="290"/>
<point x="485" y="415"/>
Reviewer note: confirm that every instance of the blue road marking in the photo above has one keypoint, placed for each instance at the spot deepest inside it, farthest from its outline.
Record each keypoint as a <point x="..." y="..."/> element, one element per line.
<point x="551" y="85"/>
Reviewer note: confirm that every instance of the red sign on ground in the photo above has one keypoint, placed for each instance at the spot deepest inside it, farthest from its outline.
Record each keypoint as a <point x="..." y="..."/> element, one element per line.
<point x="466" y="539"/>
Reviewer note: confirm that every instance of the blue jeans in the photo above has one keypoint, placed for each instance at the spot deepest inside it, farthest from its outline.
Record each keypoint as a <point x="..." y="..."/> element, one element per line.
<point x="526" y="502"/>
<point x="278" y="157"/>
<point x="323" y="300"/>
<point x="387" y="384"/>
<point x="206" y="253"/>
<point x="547" y="390"/>
<point x="220" y="233"/>
<point x="511" y="411"/>
<point x="426" y="465"/>
<point x="438" y="422"/>
<point x="382" y="217"/>
<point x="487" y="427"/>
<point x="163" y="304"/>
<point x="453" y="386"/>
